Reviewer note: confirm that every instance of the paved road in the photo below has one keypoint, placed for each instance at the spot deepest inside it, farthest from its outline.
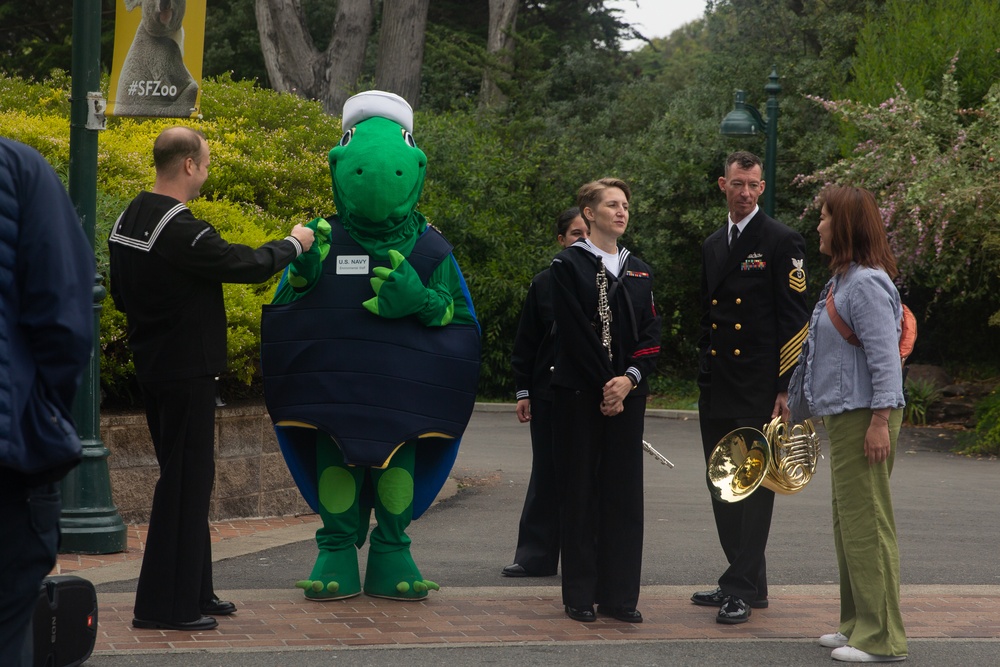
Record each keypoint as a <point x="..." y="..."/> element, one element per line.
<point x="945" y="511"/>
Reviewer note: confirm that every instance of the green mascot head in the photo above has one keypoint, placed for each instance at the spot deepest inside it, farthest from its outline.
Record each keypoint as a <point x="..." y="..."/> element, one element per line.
<point x="377" y="170"/>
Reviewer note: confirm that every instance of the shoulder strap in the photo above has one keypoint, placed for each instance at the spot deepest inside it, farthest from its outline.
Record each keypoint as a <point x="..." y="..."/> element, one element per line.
<point x="838" y="322"/>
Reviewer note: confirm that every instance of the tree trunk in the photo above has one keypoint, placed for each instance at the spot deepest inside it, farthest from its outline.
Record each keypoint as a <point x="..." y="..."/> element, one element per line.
<point x="294" y="64"/>
<point x="401" y="48"/>
<point x="499" y="46"/>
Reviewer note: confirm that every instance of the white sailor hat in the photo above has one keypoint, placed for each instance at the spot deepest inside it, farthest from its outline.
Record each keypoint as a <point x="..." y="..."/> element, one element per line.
<point x="377" y="103"/>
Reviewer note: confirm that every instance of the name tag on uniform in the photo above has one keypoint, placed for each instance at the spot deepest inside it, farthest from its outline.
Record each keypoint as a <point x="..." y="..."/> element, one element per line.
<point x="352" y="265"/>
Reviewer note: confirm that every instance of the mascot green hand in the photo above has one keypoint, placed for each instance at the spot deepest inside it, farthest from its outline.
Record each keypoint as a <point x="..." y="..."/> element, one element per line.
<point x="370" y="356"/>
<point x="399" y="292"/>
<point x="305" y="270"/>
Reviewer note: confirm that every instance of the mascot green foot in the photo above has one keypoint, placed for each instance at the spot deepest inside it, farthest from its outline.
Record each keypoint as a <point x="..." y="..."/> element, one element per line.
<point x="395" y="576"/>
<point x="391" y="572"/>
<point x="335" y="575"/>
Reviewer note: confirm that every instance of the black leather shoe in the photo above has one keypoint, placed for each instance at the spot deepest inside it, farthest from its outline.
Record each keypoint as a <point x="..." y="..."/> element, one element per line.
<point x="203" y="623"/>
<point x="217" y="607"/>
<point x="709" y="598"/>
<point x="582" y="614"/>
<point x="734" y="610"/>
<point x="626" y="615"/>
<point x="717" y="597"/>
<point x="516" y="570"/>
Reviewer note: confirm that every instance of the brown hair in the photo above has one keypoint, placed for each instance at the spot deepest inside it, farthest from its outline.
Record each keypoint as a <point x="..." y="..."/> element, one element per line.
<point x="589" y="193"/>
<point x="857" y="232"/>
<point x="176" y="144"/>
<point x="744" y="159"/>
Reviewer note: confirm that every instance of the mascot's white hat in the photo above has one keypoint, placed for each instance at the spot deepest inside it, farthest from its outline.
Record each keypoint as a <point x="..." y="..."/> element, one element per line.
<point x="377" y="103"/>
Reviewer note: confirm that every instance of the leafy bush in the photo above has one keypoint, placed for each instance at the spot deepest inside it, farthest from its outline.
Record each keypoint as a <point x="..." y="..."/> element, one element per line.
<point x="933" y="168"/>
<point x="269" y="171"/>
<point x="673" y="393"/>
<point x="986" y="437"/>
<point x="910" y="43"/>
<point x="920" y="396"/>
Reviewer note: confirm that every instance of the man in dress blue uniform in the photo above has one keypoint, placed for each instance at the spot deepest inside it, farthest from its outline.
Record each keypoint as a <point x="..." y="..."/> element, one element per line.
<point x="755" y="317"/>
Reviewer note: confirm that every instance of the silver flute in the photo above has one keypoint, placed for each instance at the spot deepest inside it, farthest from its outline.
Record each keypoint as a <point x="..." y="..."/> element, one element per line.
<point x="656" y="455"/>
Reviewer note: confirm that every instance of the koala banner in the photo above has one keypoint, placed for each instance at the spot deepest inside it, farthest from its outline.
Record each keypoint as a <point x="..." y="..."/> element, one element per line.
<point x="156" y="70"/>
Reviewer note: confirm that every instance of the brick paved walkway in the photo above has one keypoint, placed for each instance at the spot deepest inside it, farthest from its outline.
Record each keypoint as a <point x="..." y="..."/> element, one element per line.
<point x="283" y="619"/>
<point x="220" y="531"/>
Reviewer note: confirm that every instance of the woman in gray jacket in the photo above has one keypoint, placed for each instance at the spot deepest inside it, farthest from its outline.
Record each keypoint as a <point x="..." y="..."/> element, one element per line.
<point x="857" y="388"/>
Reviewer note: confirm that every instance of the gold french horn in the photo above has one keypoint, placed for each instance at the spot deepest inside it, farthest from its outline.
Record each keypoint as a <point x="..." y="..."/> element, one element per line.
<point x="782" y="458"/>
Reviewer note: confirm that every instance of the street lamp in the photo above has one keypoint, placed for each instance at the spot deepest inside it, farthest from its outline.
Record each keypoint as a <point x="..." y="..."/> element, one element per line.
<point x="89" y="521"/>
<point x="745" y="121"/>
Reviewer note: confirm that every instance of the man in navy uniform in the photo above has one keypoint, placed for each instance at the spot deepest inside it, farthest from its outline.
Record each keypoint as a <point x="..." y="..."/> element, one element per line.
<point x="167" y="269"/>
<point x="755" y="317"/>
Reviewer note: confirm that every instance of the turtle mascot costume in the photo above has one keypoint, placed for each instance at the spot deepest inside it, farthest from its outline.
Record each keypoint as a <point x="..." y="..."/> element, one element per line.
<point x="370" y="357"/>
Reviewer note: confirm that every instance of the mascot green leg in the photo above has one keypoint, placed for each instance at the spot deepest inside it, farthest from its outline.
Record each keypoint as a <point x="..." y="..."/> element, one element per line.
<point x="335" y="575"/>
<point x="391" y="572"/>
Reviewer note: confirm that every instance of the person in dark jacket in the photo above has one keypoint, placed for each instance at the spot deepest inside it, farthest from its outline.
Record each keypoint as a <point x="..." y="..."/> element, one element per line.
<point x="537" y="553"/>
<point x="607" y="343"/>
<point x="167" y="271"/>
<point x="755" y="317"/>
<point x="46" y="341"/>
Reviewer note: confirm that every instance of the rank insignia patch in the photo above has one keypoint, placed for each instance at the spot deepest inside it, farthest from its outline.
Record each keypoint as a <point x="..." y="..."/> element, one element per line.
<point x="797" y="276"/>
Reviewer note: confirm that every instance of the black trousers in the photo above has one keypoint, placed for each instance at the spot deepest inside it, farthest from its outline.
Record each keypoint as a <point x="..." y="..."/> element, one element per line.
<point x="538" y="531"/>
<point x="29" y="524"/>
<point x="744" y="526"/>
<point x="600" y="476"/>
<point x="176" y="573"/>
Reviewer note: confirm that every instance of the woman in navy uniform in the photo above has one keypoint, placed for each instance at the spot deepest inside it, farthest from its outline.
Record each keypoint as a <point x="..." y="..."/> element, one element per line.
<point x="608" y="340"/>
<point x="755" y="316"/>
<point x="537" y="553"/>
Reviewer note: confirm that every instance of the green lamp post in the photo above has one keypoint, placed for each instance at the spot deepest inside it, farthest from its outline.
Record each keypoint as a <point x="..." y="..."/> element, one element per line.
<point x="90" y="522"/>
<point x="745" y="121"/>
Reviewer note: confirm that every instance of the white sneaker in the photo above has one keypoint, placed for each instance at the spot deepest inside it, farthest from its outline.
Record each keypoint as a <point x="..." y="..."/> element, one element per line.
<point x="851" y="654"/>
<point x="834" y="640"/>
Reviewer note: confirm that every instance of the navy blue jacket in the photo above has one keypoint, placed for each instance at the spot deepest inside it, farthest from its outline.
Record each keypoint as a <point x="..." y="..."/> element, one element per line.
<point x="581" y="361"/>
<point x="167" y="271"/>
<point x="534" y="345"/>
<point x="46" y="316"/>
<point x="755" y="315"/>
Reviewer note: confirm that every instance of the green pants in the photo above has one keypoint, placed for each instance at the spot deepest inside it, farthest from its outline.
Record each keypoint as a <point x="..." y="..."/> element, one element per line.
<point x="864" y="532"/>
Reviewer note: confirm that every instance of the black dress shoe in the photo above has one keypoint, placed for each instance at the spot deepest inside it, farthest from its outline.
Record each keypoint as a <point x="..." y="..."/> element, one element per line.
<point x="582" y="614"/>
<point x="621" y="614"/>
<point x="709" y="598"/>
<point x="516" y="570"/>
<point x="217" y="607"/>
<point x="716" y="598"/>
<point x="734" y="610"/>
<point x="203" y="623"/>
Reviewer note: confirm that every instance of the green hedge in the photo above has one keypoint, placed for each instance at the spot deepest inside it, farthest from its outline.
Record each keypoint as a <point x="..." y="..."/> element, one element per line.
<point x="495" y="183"/>
<point x="494" y="187"/>
<point x="268" y="172"/>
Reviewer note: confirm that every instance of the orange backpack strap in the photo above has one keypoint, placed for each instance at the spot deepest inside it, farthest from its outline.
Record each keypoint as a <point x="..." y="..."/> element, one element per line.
<point x="907" y="334"/>
<point x="838" y="322"/>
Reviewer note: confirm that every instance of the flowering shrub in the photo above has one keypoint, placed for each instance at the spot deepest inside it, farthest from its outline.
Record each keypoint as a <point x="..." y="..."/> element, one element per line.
<point x="933" y="168"/>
